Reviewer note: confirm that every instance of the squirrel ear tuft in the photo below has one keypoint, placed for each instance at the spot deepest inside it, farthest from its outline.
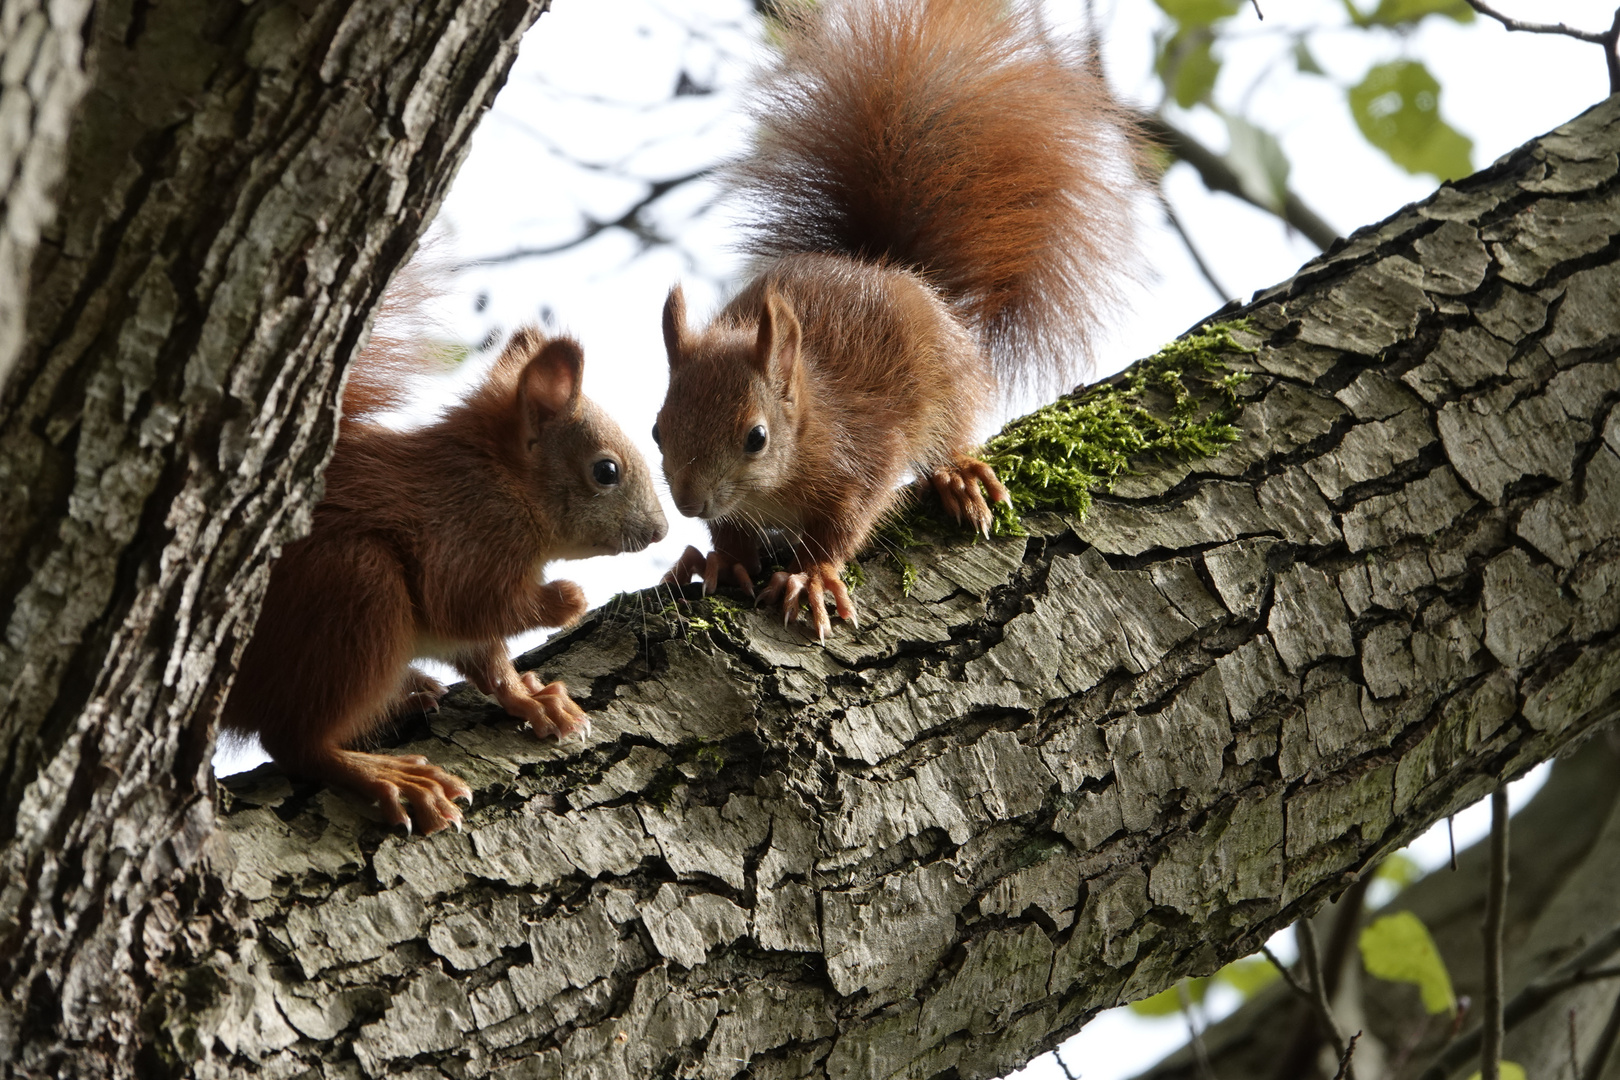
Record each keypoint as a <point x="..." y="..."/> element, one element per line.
<point x="549" y="386"/>
<point x="776" y="353"/>
<point x="675" y="334"/>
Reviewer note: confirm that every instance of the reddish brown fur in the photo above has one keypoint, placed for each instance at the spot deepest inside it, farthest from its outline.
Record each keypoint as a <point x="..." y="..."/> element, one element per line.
<point x="432" y="542"/>
<point x="942" y="199"/>
<point x="951" y="137"/>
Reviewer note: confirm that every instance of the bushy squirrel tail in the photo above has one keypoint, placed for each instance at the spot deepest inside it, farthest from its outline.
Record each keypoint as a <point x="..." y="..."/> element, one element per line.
<point x="957" y="139"/>
<point x="405" y="345"/>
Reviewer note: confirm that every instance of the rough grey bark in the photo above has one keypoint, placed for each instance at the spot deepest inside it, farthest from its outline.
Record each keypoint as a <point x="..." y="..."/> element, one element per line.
<point x="1066" y="770"/>
<point x="237" y="185"/>
<point x="1564" y="863"/>
<point x="41" y="80"/>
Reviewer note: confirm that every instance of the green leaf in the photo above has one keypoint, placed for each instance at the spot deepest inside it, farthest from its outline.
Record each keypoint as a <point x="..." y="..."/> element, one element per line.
<point x="1403" y="12"/>
<point x="1258" y="159"/>
<point x="1199" y="12"/>
<point x="1304" y="62"/>
<point x="1397" y="107"/>
<point x="1508" y="1070"/>
<point x="1248" y="976"/>
<point x="1398" y="948"/>
<point x="1168" y="1002"/>
<point x="1188" y="67"/>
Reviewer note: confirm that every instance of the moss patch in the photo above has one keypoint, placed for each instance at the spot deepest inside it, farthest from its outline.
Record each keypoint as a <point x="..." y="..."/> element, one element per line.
<point x="1179" y="403"/>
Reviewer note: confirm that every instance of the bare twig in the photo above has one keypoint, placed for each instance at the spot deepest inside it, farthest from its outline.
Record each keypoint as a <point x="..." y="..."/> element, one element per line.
<point x="1344" y="1059"/>
<point x="1595" y="1065"/>
<point x="1064" y="1065"/>
<point x="1218" y="176"/>
<point x="1582" y="969"/>
<point x="1310" y="957"/>
<point x="1287" y="973"/>
<point x="630" y="221"/>
<point x="1490" y="1060"/>
<point x="1296" y="1060"/>
<point x="1192" y="249"/>
<point x="1609" y="39"/>
<point x="1451" y="837"/>
<point x="1257" y="12"/>
<point x="1535" y="28"/>
<point x="1195" y="1036"/>
<point x="1574" y="1055"/>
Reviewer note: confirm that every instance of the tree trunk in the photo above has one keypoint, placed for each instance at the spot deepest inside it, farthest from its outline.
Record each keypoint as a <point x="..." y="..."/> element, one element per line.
<point x="1066" y="770"/>
<point x="237" y="185"/>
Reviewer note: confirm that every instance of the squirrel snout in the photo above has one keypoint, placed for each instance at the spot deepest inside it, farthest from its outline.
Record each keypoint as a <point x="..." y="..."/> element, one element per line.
<point x="690" y="502"/>
<point x="646" y="533"/>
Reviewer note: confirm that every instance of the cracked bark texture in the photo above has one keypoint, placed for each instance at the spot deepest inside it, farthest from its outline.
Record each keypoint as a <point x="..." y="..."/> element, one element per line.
<point x="233" y="183"/>
<point x="1066" y="770"/>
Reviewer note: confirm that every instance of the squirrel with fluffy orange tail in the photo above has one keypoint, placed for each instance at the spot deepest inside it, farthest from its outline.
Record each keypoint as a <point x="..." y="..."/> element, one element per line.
<point x="941" y="199"/>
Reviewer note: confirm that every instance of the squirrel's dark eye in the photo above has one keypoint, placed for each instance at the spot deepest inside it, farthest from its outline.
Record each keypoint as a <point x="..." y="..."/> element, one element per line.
<point x="656" y="440"/>
<point x="755" y="441"/>
<point x="605" y="472"/>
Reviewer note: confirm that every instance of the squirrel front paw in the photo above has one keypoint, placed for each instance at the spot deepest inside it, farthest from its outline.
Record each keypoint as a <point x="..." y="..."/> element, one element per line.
<point x="711" y="567"/>
<point x="958" y="489"/>
<point x="546" y="706"/>
<point x="562" y="603"/>
<point x="811" y="587"/>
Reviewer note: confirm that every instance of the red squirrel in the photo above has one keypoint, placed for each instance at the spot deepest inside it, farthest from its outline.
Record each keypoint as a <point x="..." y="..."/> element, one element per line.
<point x="432" y="542"/>
<point x="941" y="204"/>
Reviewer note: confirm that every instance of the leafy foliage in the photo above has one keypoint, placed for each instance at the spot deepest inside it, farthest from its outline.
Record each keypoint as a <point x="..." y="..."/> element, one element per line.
<point x="1398" y="948"/>
<point x="1395" y="104"/>
<point x="1397" y="107"/>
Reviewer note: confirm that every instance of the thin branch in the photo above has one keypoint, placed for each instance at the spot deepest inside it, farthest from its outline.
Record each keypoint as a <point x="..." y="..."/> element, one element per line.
<point x="630" y="221"/>
<point x="1311" y="957"/>
<point x="1192" y="249"/>
<point x="1344" y="1060"/>
<point x="1490" y="1061"/>
<point x="1609" y="39"/>
<point x="1527" y="1002"/>
<point x="1218" y="176"/>
<point x="1536" y="28"/>
<point x="1195" y="1036"/>
<point x="1574" y="1056"/>
<point x="1595" y="1065"/>
<point x="1451" y="838"/>
<point x="1064" y="1065"/>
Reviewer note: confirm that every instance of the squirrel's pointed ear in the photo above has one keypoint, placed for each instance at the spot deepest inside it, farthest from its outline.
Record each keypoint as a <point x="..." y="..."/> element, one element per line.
<point x="776" y="354"/>
<point x="549" y="386"/>
<point x="676" y="338"/>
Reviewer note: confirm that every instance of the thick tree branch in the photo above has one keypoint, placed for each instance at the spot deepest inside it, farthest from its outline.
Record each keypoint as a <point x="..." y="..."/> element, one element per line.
<point x="1066" y="770"/>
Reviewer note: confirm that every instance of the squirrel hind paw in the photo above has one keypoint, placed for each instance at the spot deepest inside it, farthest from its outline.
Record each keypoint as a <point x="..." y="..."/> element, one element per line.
<point x="410" y="791"/>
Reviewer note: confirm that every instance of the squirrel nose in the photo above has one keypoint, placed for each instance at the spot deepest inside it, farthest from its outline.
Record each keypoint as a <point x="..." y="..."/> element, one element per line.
<point x="690" y="503"/>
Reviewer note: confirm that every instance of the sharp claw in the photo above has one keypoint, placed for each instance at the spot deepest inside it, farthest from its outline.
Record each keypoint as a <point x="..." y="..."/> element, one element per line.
<point x="456" y="824"/>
